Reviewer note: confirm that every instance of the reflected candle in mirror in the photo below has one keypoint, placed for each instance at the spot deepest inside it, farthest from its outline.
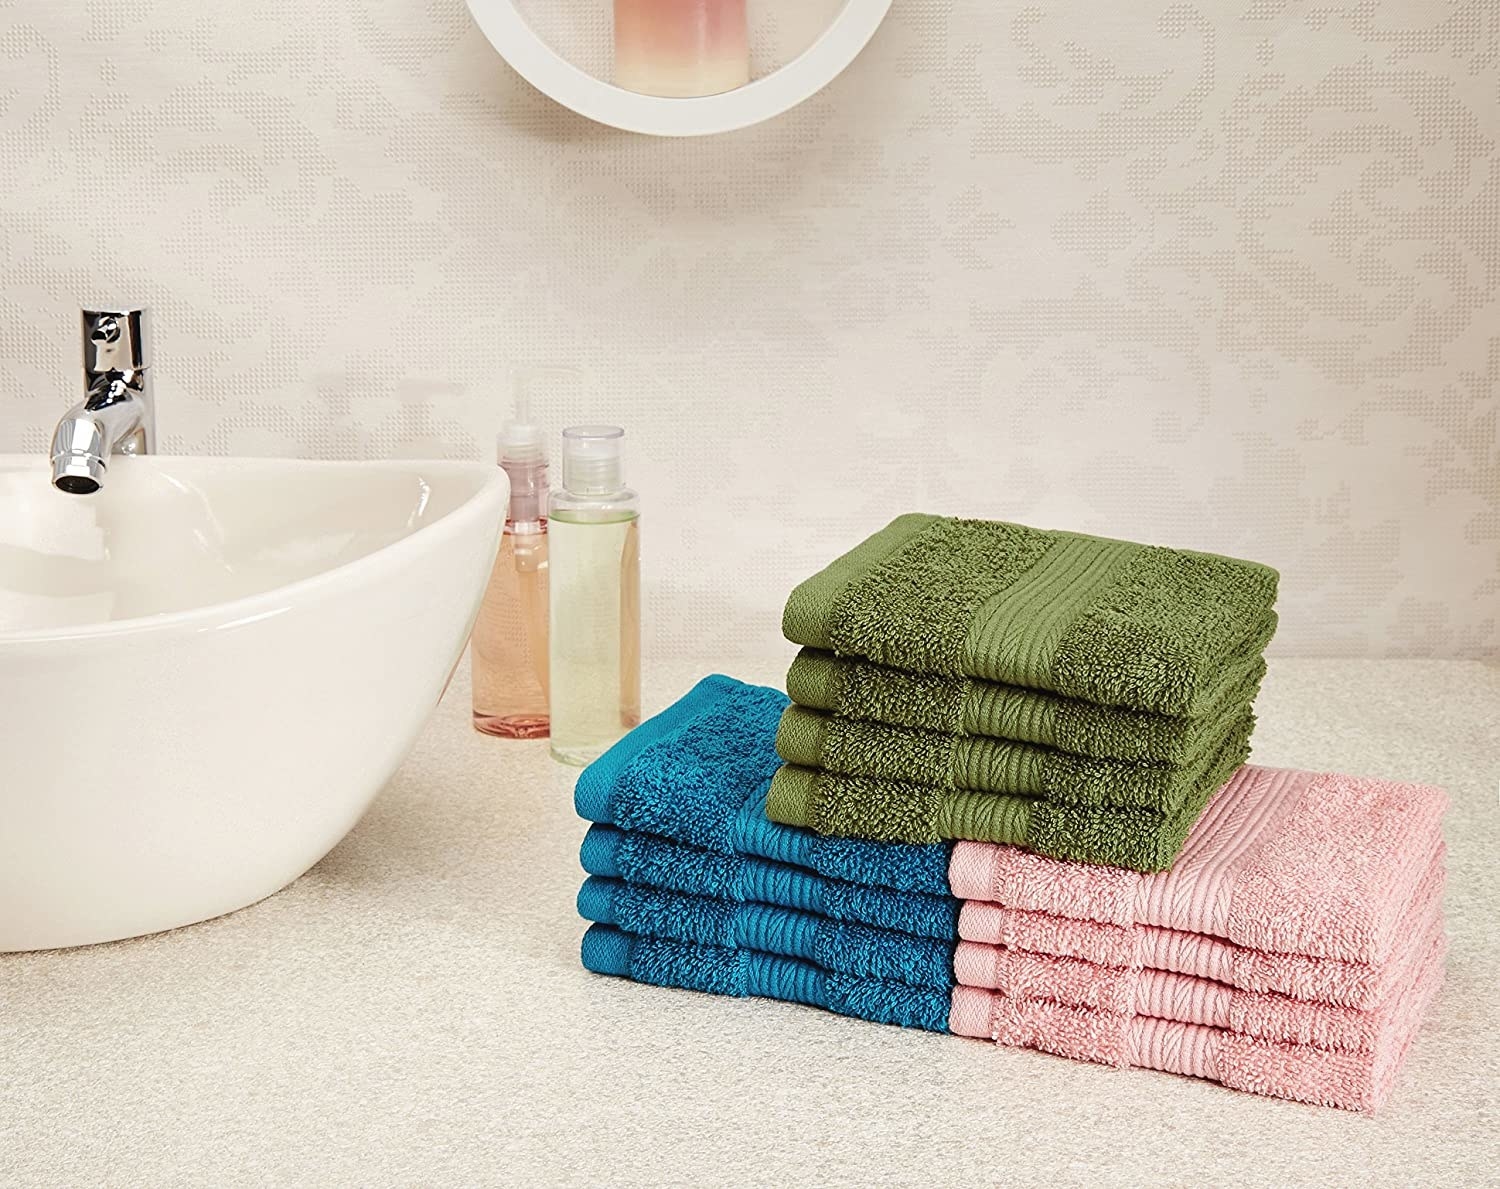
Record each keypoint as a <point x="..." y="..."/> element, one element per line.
<point x="681" y="48"/>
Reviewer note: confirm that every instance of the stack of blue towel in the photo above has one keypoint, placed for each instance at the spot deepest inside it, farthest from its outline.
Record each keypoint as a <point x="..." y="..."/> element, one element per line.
<point x="691" y="885"/>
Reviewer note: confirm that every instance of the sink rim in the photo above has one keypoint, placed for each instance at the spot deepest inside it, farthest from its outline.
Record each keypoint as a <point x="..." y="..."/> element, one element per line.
<point x="278" y="599"/>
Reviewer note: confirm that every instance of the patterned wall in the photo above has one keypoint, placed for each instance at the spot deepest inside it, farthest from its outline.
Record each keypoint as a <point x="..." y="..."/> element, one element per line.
<point x="1219" y="275"/>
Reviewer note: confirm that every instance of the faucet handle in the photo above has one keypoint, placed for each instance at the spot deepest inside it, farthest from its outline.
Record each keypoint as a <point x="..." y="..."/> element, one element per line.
<point x="114" y="340"/>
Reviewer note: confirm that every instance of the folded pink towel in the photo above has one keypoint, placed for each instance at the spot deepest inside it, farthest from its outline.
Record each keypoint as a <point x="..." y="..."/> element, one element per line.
<point x="1281" y="861"/>
<point x="1321" y="980"/>
<point x="1356" y="1081"/>
<point x="1072" y="982"/>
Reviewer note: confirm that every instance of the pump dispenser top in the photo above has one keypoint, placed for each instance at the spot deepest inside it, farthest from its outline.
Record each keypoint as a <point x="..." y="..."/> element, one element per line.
<point x="522" y="452"/>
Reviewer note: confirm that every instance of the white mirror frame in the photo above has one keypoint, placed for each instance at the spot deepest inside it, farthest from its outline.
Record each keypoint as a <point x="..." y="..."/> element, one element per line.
<point x="553" y="75"/>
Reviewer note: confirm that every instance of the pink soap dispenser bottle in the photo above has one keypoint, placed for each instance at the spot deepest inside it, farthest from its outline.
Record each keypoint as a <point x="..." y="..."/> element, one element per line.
<point x="508" y="650"/>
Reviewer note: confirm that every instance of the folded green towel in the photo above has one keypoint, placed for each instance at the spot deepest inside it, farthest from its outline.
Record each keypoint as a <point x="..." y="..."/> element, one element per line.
<point x="967" y="706"/>
<point x="1091" y="618"/>
<point x="849" y="747"/>
<point x="892" y="811"/>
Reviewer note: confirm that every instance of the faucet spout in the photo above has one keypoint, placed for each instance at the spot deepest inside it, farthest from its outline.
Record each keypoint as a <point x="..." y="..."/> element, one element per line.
<point x="112" y="419"/>
<point x="117" y="416"/>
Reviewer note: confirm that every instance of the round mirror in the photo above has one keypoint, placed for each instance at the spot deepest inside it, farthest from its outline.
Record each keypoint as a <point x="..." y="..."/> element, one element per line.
<point x="567" y="51"/>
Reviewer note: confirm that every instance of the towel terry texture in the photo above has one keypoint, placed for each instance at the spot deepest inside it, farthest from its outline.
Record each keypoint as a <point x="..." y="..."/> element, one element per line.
<point x="1358" y="985"/>
<point x="851" y="747"/>
<point x="1139" y="838"/>
<point x="675" y="867"/>
<point x="691" y="886"/>
<point x="697" y="774"/>
<point x="1102" y="621"/>
<point x="741" y="972"/>
<point x="1166" y="995"/>
<point x="1291" y="950"/>
<point x="1076" y="696"/>
<point x="1351" y="1080"/>
<point x="835" y="946"/>
<point x="857" y="689"/>
<point x="1317" y="864"/>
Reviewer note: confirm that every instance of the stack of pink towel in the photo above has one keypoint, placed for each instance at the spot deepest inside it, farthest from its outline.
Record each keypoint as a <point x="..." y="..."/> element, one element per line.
<point x="1291" y="950"/>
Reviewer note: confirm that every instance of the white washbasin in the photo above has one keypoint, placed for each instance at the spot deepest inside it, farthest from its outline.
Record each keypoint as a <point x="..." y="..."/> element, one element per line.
<point x="209" y="668"/>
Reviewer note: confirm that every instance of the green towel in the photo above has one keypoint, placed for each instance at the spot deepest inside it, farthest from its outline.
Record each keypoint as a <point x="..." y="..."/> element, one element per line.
<point x="1090" y="618"/>
<point x="966" y="706"/>
<point x="890" y="811"/>
<point x="849" y="747"/>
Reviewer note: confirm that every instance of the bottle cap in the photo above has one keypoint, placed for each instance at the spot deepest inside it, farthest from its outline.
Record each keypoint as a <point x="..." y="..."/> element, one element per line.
<point x="592" y="459"/>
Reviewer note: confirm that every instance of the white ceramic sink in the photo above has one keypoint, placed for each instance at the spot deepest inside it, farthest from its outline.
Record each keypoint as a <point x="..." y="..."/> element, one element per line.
<point x="209" y="668"/>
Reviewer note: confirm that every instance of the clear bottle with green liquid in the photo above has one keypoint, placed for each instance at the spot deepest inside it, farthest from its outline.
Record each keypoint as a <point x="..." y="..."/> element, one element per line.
<point x="595" y="594"/>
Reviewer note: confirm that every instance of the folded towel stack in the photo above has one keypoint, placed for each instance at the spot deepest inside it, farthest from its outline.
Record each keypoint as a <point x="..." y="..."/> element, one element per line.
<point x="691" y="885"/>
<point x="1291" y="950"/>
<point x="1077" y="696"/>
<point x="1007" y="800"/>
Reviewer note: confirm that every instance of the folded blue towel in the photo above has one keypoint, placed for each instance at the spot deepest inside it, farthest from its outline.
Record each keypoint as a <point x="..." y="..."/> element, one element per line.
<point x="677" y="867"/>
<point x="698" y="773"/>
<point x="740" y="972"/>
<point x="833" y="945"/>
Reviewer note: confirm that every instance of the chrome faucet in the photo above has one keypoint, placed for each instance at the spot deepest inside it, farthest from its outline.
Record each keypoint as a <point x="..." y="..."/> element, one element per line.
<point x="117" y="414"/>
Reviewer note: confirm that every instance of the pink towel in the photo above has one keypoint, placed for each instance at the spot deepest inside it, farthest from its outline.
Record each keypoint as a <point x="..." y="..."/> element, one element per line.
<point x="1321" y="980"/>
<point x="1164" y="995"/>
<point x="1356" y="1081"/>
<point x="1282" y="861"/>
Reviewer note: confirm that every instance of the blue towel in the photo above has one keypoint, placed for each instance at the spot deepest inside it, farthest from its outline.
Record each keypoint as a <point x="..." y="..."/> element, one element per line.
<point x="741" y="972"/>
<point x="833" y="945"/>
<point x="698" y="773"/>
<point x="658" y="863"/>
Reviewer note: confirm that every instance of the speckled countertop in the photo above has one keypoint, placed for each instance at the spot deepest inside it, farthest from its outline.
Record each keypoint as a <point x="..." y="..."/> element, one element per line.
<point x="412" y="1012"/>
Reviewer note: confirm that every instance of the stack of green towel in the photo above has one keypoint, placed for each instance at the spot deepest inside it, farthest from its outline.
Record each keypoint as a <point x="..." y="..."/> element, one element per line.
<point x="966" y="679"/>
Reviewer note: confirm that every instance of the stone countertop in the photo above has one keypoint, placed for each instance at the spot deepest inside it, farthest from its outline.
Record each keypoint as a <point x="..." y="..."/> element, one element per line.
<point x="413" y="1012"/>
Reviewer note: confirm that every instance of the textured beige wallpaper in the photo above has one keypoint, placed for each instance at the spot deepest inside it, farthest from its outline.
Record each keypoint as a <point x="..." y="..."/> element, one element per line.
<point x="1214" y="274"/>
